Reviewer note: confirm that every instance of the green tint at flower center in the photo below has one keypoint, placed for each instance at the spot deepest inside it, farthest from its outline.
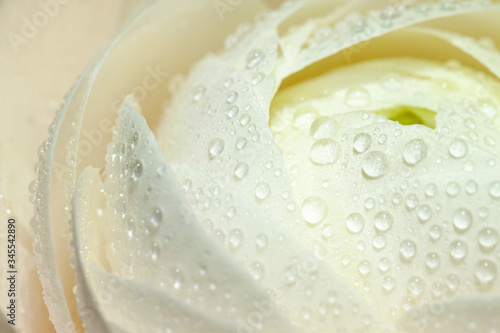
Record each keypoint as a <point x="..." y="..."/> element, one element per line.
<point x="407" y="115"/>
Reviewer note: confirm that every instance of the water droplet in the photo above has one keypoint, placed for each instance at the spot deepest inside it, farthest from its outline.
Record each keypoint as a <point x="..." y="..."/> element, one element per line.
<point x="261" y="242"/>
<point x="325" y="151"/>
<point x="384" y="264"/>
<point x="375" y="165"/>
<point x="487" y="239"/>
<point x="262" y="190"/>
<point x="355" y="223"/>
<point x="323" y="128"/>
<point x="155" y="250"/>
<point x="232" y="97"/>
<point x="198" y="93"/>
<point x="314" y="209"/>
<point x="424" y="213"/>
<point x="462" y="219"/>
<point x="430" y="190"/>
<point x="155" y="219"/>
<point x="452" y="189"/>
<point x="232" y="111"/>
<point x="485" y="272"/>
<point x="235" y="239"/>
<point x="458" y="250"/>
<point x="177" y="278"/>
<point x="407" y="250"/>
<point x="432" y="261"/>
<point x="471" y="187"/>
<point x="383" y="221"/>
<point x="458" y="148"/>
<point x="364" y="267"/>
<point x="304" y="117"/>
<point x="241" y="170"/>
<point x="254" y="57"/>
<point x="137" y="169"/>
<point x="435" y="233"/>
<point x="241" y="143"/>
<point x="257" y="270"/>
<point x="414" y="151"/>
<point x="357" y="97"/>
<point x="215" y="147"/>
<point x="416" y="286"/>
<point x="388" y="283"/>
<point x="452" y="282"/>
<point x="379" y="242"/>
<point x="494" y="189"/>
<point x="327" y="231"/>
<point x="362" y="142"/>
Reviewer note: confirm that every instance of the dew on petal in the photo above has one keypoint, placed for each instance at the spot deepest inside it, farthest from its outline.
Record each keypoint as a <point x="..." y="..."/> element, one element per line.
<point x="314" y="209"/>
<point x="462" y="219"/>
<point x="355" y="223"/>
<point x="215" y="147"/>
<point x="362" y="142"/>
<point x="407" y="250"/>
<point x="414" y="151"/>
<point x="325" y="151"/>
<point x="458" y="148"/>
<point x="375" y="165"/>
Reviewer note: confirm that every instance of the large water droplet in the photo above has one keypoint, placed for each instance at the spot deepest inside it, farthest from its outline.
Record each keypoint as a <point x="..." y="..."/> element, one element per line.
<point x="487" y="239"/>
<point x="383" y="221"/>
<point x="416" y="286"/>
<point x="262" y="190"/>
<point x="364" y="267"/>
<point x="494" y="189"/>
<point x="314" y="209"/>
<point x="388" y="283"/>
<point x="407" y="250"/>
<point x="357" y="97"/>
<point x="414" y="151"/>
<point x="362" y="142"/>
<point x="485" y="272"/>
<point x="462" y="219"/>
<point x="458" y="250"/>
<point x="355" y="223"/>
<point x="458" y="148"/>
<point x="215" y="147"/>
<point x="375" y="165"/>
<point x="325" y="151"/>
<point x="432" y="261"/>
<point x="241" y="170"/>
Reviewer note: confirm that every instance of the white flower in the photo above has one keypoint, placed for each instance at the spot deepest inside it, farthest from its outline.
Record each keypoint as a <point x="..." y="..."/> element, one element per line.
<point x="335" y="169"/>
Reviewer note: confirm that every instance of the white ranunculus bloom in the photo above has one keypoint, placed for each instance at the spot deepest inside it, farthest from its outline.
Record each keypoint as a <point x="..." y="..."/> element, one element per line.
<point x="334" y="169"/>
